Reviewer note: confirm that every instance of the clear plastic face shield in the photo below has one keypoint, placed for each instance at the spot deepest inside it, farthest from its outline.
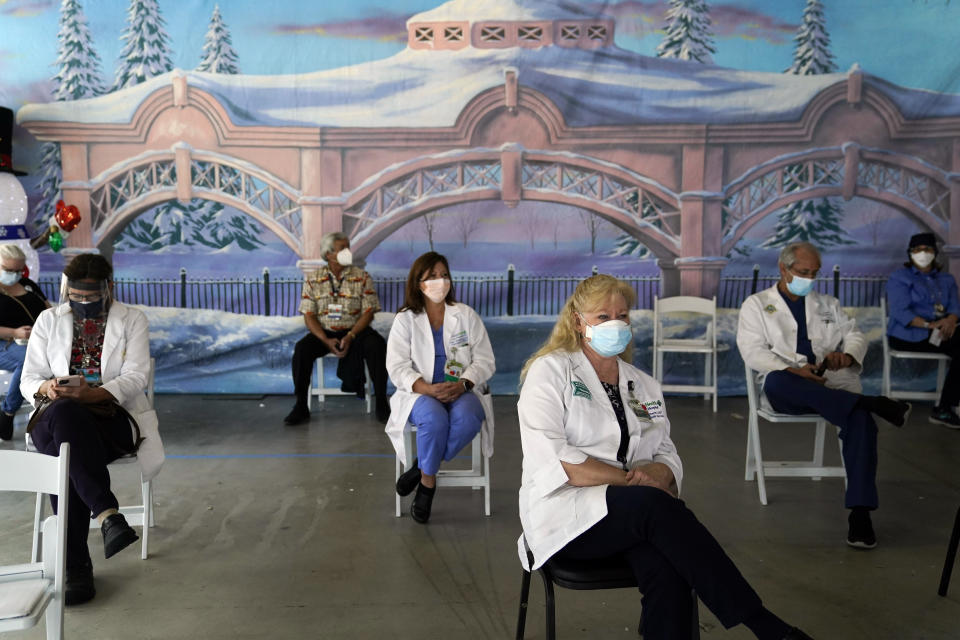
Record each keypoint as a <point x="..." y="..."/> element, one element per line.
<point x="87" y="298"/>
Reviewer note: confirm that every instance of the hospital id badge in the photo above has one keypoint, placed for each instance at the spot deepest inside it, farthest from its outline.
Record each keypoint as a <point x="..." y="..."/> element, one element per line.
<point x="639" y="410"/>
<point x="91" y="375"/>
<point x="335" y="312"/>
<point x="452" y="371"/>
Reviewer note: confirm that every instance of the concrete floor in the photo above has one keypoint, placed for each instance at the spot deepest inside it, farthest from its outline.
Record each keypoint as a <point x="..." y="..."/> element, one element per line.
<point x="266" y="531"/>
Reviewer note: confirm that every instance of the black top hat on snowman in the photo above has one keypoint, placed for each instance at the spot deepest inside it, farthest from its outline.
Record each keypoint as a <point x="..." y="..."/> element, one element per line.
<point x="6" y="142"/>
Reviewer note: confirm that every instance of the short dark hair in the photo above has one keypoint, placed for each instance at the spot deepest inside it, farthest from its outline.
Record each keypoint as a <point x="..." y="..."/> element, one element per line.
<point x="413" y="297"/>
<point x="89" y="266"/>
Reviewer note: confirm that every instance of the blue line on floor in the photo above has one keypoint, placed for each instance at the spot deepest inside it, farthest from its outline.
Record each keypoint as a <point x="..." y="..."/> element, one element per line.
<point x="239" y="456"/>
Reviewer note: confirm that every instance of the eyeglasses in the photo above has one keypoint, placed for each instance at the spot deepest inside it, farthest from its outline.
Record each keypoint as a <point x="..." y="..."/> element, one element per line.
<point x="76" y="297"/>
<point x="805" y="273"/>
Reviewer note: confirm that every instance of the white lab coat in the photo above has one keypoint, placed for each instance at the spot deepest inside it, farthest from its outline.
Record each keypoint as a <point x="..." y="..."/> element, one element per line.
<point x="124" y="367"/>
<point x="767" y="336"/>
<point x="565" y="415"/>
<point x="410" y="356"/>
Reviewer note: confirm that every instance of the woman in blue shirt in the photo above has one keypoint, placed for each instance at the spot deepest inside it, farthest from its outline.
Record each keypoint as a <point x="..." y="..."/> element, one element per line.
<point x="924" y="309"/>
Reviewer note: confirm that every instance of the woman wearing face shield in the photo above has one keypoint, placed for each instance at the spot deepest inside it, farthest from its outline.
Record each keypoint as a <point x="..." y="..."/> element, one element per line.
<point x="924" y="309"/>
<point x="439" y="358"/>
<point x="21" y="301"/>
<point x="85" y="356"/>
<point x="601" y="476"/>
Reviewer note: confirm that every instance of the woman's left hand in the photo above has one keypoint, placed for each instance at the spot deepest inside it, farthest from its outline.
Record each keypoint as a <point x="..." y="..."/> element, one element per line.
<point x="84" y="393"/>
<point x="946" y="325"/>
<point x="653" y="474"/>
<point x="448" y="391"/>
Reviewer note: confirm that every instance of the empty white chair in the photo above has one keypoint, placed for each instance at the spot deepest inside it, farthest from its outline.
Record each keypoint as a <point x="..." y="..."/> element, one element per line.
<point x="28" y="591"/>
<point x="794" y="468"/>
<point x="137" y="515"/>
<point x="705" y="344"/>
<point x="477" y="476"/>
<point x="888" y="354"/>
<point x="320" y="390"/>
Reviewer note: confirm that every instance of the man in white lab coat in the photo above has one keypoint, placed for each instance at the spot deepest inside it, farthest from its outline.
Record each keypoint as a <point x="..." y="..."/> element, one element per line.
<point x="810" y="354"/>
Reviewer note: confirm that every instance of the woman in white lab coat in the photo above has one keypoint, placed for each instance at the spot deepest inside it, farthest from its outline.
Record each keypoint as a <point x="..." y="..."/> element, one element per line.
<point x="601" y="475"/>
<point x="439" y="359"/>
<point x="86" y="369"/>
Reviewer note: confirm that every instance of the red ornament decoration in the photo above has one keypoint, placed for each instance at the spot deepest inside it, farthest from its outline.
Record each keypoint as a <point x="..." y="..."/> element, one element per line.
<point x="67" y="216"/>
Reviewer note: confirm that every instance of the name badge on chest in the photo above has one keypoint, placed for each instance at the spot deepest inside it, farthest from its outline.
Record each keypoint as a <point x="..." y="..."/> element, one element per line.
<point x="335" y="312"/>
<point x="452" y="371"/>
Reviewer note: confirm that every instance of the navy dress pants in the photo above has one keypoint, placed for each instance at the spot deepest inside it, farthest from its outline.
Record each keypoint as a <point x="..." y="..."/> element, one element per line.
<point x="789" y="393"/>
<point x="670" y="552"/>
<point x="94" y="443"/>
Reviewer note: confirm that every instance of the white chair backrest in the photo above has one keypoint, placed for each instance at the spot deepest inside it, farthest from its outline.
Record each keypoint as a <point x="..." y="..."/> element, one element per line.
<point x="33" y="472"/>
<point x="692" y="304"/>
<point x="150" y="379"/>
<point x="751" y="388"/>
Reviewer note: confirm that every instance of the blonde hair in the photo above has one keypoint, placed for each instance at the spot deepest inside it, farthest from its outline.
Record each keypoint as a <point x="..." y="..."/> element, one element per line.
<point x="589" y="296"/>
<point x="11" y="252"/>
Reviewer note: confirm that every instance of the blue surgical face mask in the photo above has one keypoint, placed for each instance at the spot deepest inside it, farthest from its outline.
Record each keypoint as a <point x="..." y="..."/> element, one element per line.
<point x="8" y="278"/>
<point x="84" y="310"/>
<point x="800" y="286"/>
<point x="608" y="338"/>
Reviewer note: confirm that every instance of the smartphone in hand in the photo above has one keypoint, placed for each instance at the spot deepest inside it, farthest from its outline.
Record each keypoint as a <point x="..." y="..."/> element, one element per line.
<point x="70" y="381"/>
<point x="821" y="369"/>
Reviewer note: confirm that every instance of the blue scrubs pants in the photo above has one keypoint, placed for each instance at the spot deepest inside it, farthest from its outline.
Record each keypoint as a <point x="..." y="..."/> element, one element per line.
<point x="789" y="393"/>
<point x="443" y="429"/>
<point x="11" y="359"/>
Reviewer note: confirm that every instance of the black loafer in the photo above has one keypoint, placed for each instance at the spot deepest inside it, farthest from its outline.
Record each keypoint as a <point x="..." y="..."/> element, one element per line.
<point x="117" y="534"/>
<point x="422" y="502"/>
<point x="6" y="426"/>
<point x="408" y="480"/>
<point x="298" y="415"/>
<point x="78" y="586"/>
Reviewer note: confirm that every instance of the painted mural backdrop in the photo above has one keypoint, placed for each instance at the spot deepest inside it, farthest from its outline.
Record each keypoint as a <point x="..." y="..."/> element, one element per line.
<point x="678" y="142"/>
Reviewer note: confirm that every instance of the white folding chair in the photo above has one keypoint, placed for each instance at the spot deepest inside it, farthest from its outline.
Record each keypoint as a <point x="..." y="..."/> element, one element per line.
<point x="888" y="354"/>
<point x="705" y="344"/>
<point x="477" y="476"/>
<point x="320" y="390"/>
<point x="137" y="515"/>
<point x="28" y="591"/>
<point x="756" y="465"/>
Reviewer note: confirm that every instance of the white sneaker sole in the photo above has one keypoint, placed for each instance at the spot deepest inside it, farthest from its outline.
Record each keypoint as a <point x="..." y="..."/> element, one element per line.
<point x="946" y="424"/>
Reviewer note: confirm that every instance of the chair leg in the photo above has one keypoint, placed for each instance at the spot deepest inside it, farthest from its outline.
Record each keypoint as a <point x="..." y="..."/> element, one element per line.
<point x="818" y="446"/>
<point x="758" y="459"/>
<point x="37" y="518"/>
<point x="951" y="556"/>
<point x="524" y="598"/>
<point x="551" y="619"/>
<point x="145" y="492"/>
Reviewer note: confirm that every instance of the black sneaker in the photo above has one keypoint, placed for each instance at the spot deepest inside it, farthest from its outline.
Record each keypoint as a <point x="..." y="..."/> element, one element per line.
<point x="860" y="535"/>
<point x="78" y="586"/>
<point x="6" y="426"/>
<point x="298" y="415"/>
<point x="946" y="417"/>
<point x="117" y="534"/>
<point x="408" y="480"/>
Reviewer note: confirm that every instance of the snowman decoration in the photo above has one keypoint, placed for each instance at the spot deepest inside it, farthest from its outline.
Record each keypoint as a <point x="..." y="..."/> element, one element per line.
<point x="13" y="199"/>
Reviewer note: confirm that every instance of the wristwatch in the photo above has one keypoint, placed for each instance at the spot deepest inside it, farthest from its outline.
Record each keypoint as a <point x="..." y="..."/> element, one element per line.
<point x="467" y="385"/>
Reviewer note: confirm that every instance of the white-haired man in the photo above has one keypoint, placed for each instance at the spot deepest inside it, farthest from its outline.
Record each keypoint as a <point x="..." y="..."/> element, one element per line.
<point x="810" y="354"/>
<point x="338" y="304"/>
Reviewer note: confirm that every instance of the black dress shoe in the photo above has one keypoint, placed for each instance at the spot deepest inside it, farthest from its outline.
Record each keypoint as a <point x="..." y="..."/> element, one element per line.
<point x="78" y="586"/>
<point x="6" y="426"/>
<point x="298" y="415"/>
<point x="796" y="634"/>
<point x="117" y="534"/>
<point x="422" y="502"/>
<point x="408" y="480"/>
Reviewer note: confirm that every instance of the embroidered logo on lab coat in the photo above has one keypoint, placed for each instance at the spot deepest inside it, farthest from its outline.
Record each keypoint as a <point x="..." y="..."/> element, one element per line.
<point x="654" y="409"/>
<point x="770" y="308"/>
<point x="580" y="389"/>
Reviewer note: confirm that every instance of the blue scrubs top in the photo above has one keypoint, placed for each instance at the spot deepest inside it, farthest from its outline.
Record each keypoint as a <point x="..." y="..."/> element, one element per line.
<point x="439" y="355"/>
<point x="799" y="310"/>
<point x="911" y="293"/>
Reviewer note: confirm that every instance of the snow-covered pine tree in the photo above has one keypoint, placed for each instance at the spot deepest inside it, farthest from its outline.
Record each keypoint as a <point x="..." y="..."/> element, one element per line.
<point x="811" y="55"/>
<point x="146" y="52"/>
<point x="212" y="226"/>
<point x="688" y="33"/>
<point x="78" y="76"/>
<point x="626" y="244"/>
<point x="816" y="222"/>
<point x="218" y="53"/>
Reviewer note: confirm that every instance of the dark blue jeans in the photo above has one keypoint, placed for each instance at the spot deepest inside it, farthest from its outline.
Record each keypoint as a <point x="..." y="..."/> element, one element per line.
<point x="789" y="393"/>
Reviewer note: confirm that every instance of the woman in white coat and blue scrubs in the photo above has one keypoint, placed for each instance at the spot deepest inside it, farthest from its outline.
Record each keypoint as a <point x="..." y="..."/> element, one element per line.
<point x="601" y="476"/>
<point x="439" y="358"/>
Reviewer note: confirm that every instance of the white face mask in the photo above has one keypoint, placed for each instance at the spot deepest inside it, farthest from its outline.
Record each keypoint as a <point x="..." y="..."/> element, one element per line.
<point x="436" y="289"/>
<point x="344" y="257"/>
<point x="922" y="258"/>
<point x="8" y="278"/>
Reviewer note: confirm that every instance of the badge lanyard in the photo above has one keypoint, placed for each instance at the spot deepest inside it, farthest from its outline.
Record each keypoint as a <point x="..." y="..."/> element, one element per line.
<point x="624" y="434"/>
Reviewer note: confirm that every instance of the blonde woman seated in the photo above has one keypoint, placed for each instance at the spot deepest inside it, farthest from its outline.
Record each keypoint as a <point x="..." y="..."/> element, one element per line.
<point x="601" y="476"/>
<point x="439" y="359"/>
